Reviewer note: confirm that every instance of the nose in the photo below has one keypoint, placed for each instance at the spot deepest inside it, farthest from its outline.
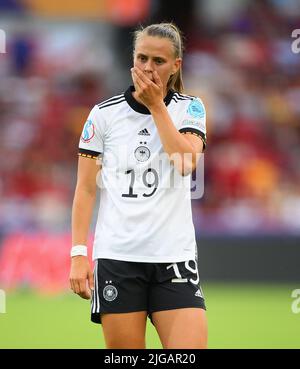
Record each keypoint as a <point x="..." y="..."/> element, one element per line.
<point x="148" y="66"/>
<point x="148" y="70"/>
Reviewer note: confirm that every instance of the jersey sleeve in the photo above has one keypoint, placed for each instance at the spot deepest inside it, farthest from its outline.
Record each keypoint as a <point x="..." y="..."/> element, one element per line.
<point x="91" y="142"/>
<point x="194" y="120"/>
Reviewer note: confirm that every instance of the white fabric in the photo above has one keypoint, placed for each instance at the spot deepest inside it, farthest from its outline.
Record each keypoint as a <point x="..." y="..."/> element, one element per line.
<point x="141" y="228"/>
<point x="79" y="250"/>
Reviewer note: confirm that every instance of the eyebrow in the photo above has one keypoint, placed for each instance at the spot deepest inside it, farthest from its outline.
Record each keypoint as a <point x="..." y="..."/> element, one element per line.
<point x="154" y="57"/>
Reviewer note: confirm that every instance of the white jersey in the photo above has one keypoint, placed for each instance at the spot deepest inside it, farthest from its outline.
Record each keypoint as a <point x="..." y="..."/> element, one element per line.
<point x="145" y="204"/>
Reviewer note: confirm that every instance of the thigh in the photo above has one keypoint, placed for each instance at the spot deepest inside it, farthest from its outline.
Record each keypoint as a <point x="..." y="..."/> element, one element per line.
<point x="181" y="328"/>
<point x="119" y="287"/>
<point x="177" y="305"/>
<point x="175" y="286"/>
<point x="124" y="331"/>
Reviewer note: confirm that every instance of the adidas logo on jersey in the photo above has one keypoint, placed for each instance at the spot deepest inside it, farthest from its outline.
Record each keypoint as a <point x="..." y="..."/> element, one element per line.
<point x="198" y="294"/>
<point x="144" y="132"/>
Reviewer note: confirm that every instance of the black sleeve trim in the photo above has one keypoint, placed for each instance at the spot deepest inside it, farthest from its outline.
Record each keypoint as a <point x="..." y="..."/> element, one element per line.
<point x="195" y="132"/>
<point x="88" y="153"/>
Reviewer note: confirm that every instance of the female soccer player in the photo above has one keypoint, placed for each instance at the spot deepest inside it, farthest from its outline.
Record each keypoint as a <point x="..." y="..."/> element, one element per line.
<point x="149" y="140"/>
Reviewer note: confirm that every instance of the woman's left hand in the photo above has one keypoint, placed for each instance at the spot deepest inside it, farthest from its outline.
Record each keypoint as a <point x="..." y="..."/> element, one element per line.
<point x="150" y="93"/>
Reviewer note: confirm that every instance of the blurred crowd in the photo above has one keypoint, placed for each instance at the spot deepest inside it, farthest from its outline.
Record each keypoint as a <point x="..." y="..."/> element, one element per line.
<point x="242" y="64"/>
<point x="238" y="59"/>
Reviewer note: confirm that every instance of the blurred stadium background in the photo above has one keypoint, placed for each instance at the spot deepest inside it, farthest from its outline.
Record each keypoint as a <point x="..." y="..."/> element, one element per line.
<point x="61" y="58"/>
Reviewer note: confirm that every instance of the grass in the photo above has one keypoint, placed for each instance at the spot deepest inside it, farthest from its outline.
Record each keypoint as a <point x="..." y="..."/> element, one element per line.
<point x="239" y="316"/>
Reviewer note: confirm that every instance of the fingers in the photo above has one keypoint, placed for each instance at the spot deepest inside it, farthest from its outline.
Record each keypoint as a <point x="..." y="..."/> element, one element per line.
<point x="141" y="78"/>
<point x="139" y="83"/>
<point x="86" y="295"/>
<point x="79" y="286"/>
<point x="147" y="91"/>
<point x="81" y="277"/>
<point x="141" y="75"/>
<point x="82" y="290"/>
<point x="157" y="79"/>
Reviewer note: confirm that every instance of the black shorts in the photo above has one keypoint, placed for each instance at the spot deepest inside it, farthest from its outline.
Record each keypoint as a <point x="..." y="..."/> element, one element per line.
<point x="124" y="287"/>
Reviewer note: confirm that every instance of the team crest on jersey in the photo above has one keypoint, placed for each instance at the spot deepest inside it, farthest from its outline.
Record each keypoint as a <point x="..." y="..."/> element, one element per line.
<point x="196" y="109"/>
<point x="142" y="153"/>
<point x="110" y="293"/>
<point x="88" y="131"/>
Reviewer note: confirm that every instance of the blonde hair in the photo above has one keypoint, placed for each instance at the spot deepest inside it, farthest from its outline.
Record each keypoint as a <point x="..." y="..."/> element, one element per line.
<point x="172" y="32"/>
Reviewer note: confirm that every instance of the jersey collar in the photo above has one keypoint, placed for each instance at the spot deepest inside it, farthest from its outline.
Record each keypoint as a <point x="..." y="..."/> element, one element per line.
<point x="140" y="108"/>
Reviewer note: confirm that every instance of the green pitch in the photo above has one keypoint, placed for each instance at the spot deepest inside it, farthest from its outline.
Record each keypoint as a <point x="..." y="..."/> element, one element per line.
<point x="239" y="316"/>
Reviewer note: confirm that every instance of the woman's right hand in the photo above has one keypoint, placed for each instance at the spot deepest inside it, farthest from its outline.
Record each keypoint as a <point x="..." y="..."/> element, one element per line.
<point x="81" y="277"/>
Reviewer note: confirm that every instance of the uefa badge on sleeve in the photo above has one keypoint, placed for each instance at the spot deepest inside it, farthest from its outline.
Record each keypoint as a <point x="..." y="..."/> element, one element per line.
<point x="88" y="131"/>
<point x="196" y="109"/>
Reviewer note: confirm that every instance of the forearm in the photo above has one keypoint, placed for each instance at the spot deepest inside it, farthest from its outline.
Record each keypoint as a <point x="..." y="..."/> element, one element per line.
<point x="82" y="211"/>
<point x="180" y="150"/>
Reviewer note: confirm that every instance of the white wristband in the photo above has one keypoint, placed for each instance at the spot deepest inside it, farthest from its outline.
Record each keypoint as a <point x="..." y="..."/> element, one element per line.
<point x="79" y="250"/>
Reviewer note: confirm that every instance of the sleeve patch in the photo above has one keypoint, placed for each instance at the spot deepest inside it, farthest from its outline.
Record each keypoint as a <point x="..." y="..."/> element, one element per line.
<point x="88" y="131"/>
<point x="196" y="109"/>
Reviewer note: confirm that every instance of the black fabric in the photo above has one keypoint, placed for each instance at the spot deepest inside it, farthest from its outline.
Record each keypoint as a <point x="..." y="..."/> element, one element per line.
<point x="88" y="153"/>
<point x="111" y="100"/>
<point x="140" y="108"/>
<point x="192" y="130"/>
<point x="147" y="287"/>
<point x="110" y="103"/>
<point x="195" y="132"/>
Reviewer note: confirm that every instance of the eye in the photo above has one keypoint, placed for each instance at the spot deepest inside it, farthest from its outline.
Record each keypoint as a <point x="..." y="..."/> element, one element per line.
<point x="159" y="61"/>
<point x="142" y="58"/>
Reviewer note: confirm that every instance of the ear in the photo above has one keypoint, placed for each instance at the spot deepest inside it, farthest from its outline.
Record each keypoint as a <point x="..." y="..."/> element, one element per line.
<point x="177" y="65"/>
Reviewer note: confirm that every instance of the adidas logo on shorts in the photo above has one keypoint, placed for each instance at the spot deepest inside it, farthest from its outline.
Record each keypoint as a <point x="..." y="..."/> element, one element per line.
<point x="144" y="132"/>
<point x="198" y="294"/>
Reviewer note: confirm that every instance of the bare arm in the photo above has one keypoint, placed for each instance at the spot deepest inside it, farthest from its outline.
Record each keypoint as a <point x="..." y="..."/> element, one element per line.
<point x="184" y="149"/>
<point x="84" y="199"/>
<point x="82" y="210"/>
